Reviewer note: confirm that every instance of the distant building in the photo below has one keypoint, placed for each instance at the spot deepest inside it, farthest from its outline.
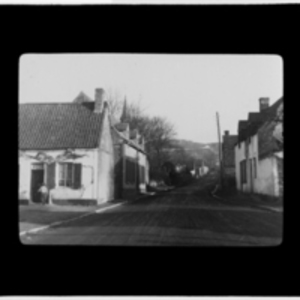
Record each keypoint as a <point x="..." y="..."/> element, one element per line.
<point x="258" y="153"/>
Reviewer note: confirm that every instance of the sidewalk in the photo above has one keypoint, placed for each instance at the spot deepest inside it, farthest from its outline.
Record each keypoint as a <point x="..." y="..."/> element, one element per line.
<point x="252" y="200"/>
<point x="36" y="215"/>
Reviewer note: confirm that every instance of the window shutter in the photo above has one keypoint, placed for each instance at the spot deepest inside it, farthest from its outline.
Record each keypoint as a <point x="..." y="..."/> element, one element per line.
<point x="50" y="169"/>
<point x="77" y="176"/>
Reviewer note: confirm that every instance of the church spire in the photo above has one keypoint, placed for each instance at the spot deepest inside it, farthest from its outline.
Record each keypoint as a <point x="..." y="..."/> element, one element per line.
<point x="124" y="113"/>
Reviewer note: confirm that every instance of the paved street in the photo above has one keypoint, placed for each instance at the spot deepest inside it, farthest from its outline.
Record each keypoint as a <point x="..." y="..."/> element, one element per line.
<point x="186" y="216"/>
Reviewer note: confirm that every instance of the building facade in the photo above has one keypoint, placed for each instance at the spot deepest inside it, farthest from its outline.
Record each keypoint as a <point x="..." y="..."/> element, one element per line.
<point x="259" y="168"/>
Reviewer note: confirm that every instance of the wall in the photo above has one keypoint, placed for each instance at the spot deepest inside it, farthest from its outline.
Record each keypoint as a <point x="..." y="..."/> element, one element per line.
<point x="105" y="184"/>
<point x="24" y="178"/>
<point x="267" y="142"/>
<point x="88" y="173"/>
<point x="252" y="153"/>
<point x="265" y="182"/>
<point x="142" y="161"/>
<point x="268" y="174"/>
<point x="129" y="191"/>
<point x="280" y="174"/>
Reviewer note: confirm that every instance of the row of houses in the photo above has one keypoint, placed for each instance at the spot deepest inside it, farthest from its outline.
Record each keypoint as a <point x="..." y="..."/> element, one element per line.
<point x="254" y="157"/>
<point x="80" y="152"/>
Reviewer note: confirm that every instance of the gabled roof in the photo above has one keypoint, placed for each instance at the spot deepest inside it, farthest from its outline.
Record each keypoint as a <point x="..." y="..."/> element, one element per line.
<point x="256" y="120"/>
<point x="82" y="97"/>
<point x="58" y="126"/>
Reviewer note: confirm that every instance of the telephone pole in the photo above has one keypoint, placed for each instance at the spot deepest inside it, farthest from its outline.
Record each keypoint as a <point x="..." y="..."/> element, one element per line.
<point x="220" y="150"/>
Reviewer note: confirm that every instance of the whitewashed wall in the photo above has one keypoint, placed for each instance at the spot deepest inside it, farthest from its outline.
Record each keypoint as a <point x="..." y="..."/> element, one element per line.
<point x="89" y="171"/>
<point x="266" y="179"/>
<point x="105" y="184"/>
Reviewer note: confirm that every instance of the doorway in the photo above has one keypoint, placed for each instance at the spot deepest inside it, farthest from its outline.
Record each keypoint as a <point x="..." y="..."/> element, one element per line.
<point x="37" y="179"/>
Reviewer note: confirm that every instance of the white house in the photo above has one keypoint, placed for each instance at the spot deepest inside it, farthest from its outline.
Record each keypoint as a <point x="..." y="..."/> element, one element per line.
<point x="70" y="147"/>
<point x="258" y="168"/>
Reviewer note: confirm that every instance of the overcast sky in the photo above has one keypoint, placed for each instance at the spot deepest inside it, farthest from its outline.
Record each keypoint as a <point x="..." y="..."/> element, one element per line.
<point x="186" y="89"/>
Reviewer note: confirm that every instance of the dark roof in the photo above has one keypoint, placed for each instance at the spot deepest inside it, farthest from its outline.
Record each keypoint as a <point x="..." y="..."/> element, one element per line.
<point x="82" y="97"/>
<point x="256" y="120"/>
<point x="255" y="116"/>
<point x="121" y="126"/>
<point x="242" y="124"/>
<point x="58" y="126"/>
<point x="271" y="112"/>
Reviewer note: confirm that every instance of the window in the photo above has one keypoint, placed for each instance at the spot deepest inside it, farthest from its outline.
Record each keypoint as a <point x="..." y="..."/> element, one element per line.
<point x="70" y="175"/>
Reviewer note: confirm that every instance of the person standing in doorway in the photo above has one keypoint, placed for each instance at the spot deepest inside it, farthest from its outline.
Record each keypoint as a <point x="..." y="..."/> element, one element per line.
<point x="44" y="193"/>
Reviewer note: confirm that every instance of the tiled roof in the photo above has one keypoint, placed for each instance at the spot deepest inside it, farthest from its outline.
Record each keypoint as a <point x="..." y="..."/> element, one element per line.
<point x="58" y="126"/>
<point x="256" y="120"/>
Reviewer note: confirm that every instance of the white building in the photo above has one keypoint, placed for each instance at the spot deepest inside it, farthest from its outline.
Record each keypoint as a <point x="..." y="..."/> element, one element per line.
<point x="257" y="154"/>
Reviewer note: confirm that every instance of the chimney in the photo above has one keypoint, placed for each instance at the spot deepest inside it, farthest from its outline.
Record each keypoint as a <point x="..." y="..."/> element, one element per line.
<point x="263" y="103"/>
<point x="226" y="132"/>
<point x="99" y="99"/>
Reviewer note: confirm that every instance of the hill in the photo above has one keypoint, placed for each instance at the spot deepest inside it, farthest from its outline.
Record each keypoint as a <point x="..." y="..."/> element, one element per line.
<point x="189" y="151"/>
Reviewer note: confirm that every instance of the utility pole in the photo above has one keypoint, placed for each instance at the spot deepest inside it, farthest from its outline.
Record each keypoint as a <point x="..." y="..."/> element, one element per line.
<point x="220" y="150"/>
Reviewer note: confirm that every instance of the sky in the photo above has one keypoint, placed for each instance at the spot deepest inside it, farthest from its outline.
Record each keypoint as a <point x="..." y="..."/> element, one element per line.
<point x="185" y="89"/>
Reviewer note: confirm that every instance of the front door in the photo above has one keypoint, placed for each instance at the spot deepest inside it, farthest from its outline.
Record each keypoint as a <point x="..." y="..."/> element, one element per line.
<point x="37" y="179"/>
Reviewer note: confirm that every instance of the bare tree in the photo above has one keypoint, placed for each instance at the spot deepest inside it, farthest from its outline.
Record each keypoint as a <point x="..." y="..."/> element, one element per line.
<point x="115" y="102"/>
<point x="156" y="131"/>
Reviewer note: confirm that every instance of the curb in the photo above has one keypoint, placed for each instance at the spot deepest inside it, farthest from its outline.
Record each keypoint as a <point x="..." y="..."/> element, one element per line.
<point x="70" y="220"/>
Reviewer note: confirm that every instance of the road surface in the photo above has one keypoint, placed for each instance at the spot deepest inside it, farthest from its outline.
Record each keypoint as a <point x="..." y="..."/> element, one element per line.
<point x="187" y="216"/>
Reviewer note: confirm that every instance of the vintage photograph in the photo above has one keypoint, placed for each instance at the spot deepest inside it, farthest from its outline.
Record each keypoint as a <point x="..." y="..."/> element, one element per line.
<point x="151" y="149"/>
